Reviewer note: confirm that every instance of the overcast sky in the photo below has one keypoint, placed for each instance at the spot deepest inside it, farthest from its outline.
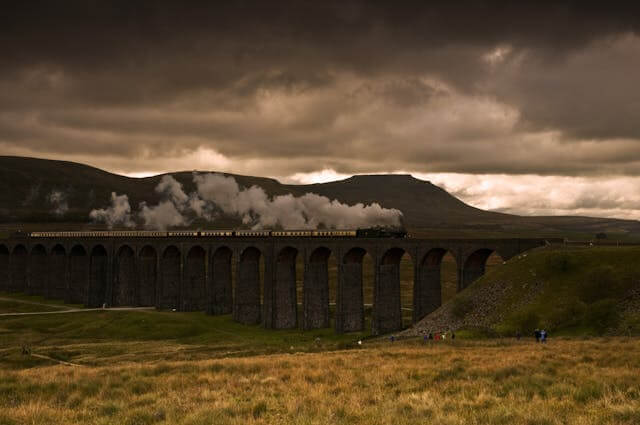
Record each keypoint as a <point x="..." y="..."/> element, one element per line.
<point x="511" y="106"/>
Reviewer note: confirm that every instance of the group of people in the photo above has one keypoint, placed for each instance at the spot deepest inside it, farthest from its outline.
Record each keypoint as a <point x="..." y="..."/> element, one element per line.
<point x="437" y="336"/>
<point x="540" y="335"/>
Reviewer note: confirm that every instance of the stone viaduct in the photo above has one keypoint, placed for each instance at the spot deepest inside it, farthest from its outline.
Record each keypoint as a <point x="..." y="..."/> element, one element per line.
<point x="195" y="274"/>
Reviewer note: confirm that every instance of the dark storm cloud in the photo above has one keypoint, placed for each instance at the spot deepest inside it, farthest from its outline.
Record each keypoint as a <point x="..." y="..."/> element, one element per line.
<point x="364" y="86"/>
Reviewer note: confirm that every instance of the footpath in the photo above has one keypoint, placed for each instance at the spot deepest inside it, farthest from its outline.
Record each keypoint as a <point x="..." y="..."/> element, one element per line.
<point x="61" y="309"/>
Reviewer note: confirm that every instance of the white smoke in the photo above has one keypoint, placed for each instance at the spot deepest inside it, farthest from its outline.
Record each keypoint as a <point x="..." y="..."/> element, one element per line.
<point x="252" y="205"/>
<point x="162" y="216"/>
<point x="118" y="213"/>
<point x="171" y="211"/>
<point x="173" y="189"/>
<point x="59" y="201"/>
<point x="309" y="211"/>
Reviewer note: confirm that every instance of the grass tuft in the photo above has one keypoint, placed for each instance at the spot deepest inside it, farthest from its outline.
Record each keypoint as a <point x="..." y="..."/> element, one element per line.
<point x="259" y="409"/>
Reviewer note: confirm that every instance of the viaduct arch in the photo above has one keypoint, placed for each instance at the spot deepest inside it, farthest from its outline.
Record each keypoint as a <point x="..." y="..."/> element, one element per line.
<point x="18" y="269"/>
<point x="57" y="285"/>
<point x="285" y="304"/>
<point x="170" y="278"/>
<point x="125" y="284"/>
<point x="5" y="277"/>
<point x="316" y="289"/>
<point x="197" y="274"/>
<point x="192" y="292"/>
<point x="148" y="276"/>
<point x="78" y="275"/>
<point x="247" y="299"/>
<point x="349" y="294"/>
<point x="37" y="271"/>
<point x="220" y="282"/>
<point x="99" y="274"/>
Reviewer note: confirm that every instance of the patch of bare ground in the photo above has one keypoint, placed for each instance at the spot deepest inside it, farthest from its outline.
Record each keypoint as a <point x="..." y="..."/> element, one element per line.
<point x="481" y="309"/>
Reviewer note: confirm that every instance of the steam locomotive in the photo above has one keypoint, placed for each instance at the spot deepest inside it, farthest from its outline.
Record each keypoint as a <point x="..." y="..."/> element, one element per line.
<point x="371" y="232"/>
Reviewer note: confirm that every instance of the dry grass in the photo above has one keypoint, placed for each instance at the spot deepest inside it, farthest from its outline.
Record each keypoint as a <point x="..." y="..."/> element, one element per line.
<point x="485" y="382"/>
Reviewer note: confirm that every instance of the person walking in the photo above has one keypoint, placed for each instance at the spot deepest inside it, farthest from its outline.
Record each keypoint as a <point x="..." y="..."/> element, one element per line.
<point x="536" y="333"/>
<point x="543" y="336"/>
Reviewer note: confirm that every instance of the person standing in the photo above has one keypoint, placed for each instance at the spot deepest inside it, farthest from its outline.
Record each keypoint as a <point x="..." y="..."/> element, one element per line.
<point x="536" y="333"/>
<point x="543" y="336"/>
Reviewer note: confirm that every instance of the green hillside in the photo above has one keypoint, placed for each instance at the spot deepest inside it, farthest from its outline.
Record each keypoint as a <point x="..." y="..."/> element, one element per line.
<point x="589" y="291"/>
<point x="429" y="211"/>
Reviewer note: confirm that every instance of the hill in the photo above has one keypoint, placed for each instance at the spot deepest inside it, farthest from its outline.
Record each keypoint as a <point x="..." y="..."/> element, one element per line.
<point x="29" y="184"/>
<point x="422" y="203"/>
<point x="567" y="291"/>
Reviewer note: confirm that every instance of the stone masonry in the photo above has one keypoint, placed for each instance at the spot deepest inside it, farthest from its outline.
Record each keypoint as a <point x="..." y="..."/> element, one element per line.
<point x="197" y="274"/>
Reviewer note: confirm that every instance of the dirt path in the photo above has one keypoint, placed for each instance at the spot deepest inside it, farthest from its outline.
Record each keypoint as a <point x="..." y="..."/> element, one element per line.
<point x="78" y="310"/>
<point x="40" y="356"/>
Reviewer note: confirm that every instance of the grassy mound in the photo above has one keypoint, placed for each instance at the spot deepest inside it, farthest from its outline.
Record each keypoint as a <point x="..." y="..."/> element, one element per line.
<point x="99" y="337"/>
<point x="591" y="291"/>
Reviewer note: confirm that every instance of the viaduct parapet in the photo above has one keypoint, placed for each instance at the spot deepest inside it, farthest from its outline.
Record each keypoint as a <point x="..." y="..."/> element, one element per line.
<point x="196" y="274"/>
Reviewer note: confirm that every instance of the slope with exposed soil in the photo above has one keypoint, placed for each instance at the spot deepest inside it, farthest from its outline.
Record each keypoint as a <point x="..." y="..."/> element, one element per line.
<point x="588" y="291"/>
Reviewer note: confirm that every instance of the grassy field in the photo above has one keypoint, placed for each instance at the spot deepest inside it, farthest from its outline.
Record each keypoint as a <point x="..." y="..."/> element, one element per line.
<point x="149" y="367"/>
<point x="407" y="382"/>
<point x="22" y="303"/>
<point x="9" y="306"/>
<point x="99" y="337"/>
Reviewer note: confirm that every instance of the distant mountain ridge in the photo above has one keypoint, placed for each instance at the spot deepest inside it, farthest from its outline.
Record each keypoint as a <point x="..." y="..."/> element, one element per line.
<point x="28" y="184"/>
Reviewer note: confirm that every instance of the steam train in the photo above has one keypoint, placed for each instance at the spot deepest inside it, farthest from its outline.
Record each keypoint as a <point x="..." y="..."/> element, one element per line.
<point x="371" y="232"/>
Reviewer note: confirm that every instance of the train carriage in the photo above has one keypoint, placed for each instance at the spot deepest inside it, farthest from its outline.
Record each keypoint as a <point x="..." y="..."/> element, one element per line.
<point x="289" y="233"/>
<point x="183" y="233"/>
<point x="373" y="232"/>
<point x="217" y="233"/>
<point x="253" y="233"/>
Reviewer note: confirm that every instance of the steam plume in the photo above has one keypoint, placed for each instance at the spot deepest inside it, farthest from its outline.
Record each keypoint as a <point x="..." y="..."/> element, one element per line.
<point x="162" y="216"/>
<point x="119" y="212"/>
<point x="171" y="212"/>
<point x="59" y="201"/>
<point x="215" y="192"/>
<point x="309" y="211"/>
